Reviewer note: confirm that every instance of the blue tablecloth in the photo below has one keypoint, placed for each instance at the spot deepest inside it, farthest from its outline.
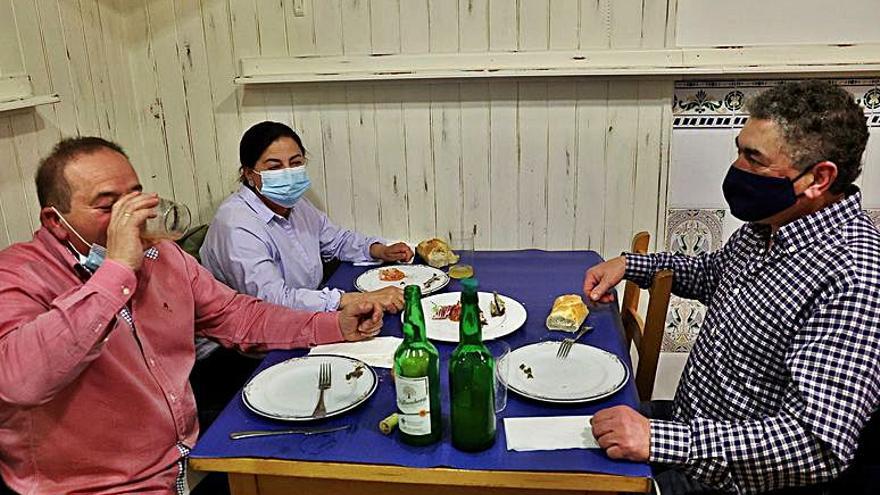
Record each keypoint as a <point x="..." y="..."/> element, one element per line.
<point x="534" y="278"/>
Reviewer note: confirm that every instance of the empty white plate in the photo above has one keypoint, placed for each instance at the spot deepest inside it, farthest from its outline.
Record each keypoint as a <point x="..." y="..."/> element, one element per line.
<point x="495" y="327"/>
<point x="428" y="278"/>
<point x="587" y="374"/>
<point x="289" y="390"/>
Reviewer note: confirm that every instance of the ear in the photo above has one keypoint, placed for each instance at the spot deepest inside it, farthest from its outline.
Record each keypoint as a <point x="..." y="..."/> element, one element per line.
<point x="253" y="179"/>
<point x="823" y="174"/>
<point x="49" y="219"/>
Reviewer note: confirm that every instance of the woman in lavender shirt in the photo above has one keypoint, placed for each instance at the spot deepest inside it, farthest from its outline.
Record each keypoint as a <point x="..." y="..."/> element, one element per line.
<point x="268" y="241"/>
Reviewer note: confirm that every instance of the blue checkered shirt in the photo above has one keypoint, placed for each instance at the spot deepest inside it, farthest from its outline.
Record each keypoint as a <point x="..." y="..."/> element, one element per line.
<point x="786" y="370"/>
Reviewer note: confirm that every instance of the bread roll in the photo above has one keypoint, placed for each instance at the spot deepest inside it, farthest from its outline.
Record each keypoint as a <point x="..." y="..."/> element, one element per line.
<point x="436" y="253"/>
<point x="568" y="313"/>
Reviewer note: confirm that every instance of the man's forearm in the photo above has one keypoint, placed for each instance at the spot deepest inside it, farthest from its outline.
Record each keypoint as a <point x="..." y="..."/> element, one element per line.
<point x="40" y="356"/>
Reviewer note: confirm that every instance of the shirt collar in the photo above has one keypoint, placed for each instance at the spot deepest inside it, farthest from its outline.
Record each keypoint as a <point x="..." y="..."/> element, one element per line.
<point x="815" y="226"/>
<point x="256" y="204"/>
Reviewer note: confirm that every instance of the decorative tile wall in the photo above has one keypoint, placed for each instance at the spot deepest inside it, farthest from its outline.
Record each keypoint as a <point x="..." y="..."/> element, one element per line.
<point x="875" y="216"/>
<point x="690" y="232"/>
<point x="707" y="116"/>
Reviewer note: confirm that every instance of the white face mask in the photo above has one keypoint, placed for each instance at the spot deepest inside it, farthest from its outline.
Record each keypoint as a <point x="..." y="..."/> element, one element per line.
<point x="97" y="252"/>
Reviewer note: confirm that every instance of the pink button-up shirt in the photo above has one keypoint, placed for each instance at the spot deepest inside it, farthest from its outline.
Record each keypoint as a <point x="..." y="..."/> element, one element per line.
<point x="89" y="404"/>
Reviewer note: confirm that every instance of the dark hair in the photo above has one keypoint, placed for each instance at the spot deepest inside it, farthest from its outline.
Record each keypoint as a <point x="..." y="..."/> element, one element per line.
<point x="256" y="139"/>
<point x="819" y="121"/>
<point x="52" y="186"/>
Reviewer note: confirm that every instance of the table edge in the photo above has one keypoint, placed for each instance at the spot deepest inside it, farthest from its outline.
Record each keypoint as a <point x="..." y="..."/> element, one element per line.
<point x="559" y="480"/>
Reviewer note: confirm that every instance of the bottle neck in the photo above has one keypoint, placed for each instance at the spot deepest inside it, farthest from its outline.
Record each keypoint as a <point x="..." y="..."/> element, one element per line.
<point x="469" y="328"/>
<point x="413" y="317"/>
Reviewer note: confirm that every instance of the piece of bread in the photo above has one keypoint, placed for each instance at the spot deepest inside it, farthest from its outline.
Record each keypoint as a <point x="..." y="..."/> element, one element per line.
<point x="436" y="253"/>
<point x="568" y="313"/>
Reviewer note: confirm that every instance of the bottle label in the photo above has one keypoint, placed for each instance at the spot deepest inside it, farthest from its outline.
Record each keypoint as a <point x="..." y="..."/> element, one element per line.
<point x="414" y="405"/>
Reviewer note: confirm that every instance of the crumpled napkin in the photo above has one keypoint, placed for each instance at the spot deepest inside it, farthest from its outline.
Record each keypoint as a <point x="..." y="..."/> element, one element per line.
<point x="377" y="352"/>
<point x="549" y="433"/>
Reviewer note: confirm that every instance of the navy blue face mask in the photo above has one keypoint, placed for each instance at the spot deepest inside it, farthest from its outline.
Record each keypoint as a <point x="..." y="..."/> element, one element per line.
<point x="754" y="197"/>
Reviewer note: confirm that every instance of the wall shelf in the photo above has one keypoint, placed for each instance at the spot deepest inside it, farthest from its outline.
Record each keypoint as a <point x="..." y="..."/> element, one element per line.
<point x="16" y="93"/>
<point x="28" y="102"/>
<point x="678" y="62"/>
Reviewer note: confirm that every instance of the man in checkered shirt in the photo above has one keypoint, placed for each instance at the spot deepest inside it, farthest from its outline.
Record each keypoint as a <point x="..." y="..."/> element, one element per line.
<point x="785" y="374"/>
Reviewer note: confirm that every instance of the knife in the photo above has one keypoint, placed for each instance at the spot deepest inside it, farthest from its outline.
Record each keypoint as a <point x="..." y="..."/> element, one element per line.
<point x="302" y="431"/>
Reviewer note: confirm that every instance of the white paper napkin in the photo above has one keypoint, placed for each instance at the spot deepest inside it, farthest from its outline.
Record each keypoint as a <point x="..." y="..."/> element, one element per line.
<point x="367" y="263"/>
<point x="377" y="352"/>
<point x="550" y="433"/>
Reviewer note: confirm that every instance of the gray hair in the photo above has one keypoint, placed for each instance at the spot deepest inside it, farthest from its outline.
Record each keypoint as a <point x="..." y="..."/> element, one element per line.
<point x="819" y="122"/>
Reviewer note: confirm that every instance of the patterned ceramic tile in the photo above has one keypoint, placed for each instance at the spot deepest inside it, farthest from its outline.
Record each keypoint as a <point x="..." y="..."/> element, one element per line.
<point x="691" y="232"/>
<point x="707" y="104"/>
<point x="707" y="116"/>
<point x="683" y="323"/>
<point x="875" y="217"/>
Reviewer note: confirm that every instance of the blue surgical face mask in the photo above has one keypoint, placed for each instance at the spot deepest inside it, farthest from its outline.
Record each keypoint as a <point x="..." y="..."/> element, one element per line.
<point x="97" y="253"/>
<point x="285" y="186"/>
<point x="754" y="197"/>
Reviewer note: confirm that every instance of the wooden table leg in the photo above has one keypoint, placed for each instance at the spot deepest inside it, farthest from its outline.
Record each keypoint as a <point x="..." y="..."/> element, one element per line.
<point x="243" y="484"/>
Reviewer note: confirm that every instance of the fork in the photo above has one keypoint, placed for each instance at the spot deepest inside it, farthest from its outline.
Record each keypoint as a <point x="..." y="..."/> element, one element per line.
<point x="324" y="378"/>
<point x="566" y="345"/>
<point x="430" y="281"/>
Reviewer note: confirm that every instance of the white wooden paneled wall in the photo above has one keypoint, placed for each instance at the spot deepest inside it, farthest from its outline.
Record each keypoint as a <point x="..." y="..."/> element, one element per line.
<point x="68" y="48"/>
<point x="555" y="163"/>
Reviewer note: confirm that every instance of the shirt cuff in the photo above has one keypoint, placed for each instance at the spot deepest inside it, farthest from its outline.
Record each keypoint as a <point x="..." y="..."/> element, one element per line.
<point x="670" y="442"/>
<point x="327" y="330"/>
<point x="115" y="281"/>
<point x="639" y="269"/>
<point x="370" y="242"/>
<point x="334" y="297"/>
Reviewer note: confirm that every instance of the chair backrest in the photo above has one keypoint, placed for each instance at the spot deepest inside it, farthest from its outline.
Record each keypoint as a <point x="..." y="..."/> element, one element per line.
<point x="192" y="241"/>
<point x="647" y="333"/>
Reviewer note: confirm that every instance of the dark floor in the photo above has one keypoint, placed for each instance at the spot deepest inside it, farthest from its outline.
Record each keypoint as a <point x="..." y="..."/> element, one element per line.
<point x="213" y="484"/>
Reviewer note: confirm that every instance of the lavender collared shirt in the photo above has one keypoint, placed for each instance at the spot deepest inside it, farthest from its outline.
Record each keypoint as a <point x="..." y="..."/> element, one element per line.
<point x="255" y="251"/>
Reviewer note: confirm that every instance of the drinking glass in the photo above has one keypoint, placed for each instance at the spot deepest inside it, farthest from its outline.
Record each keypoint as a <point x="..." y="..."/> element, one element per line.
<point x="462" y="243"/>
<point x="172" y="220"/>
<point x="500" y="351"/>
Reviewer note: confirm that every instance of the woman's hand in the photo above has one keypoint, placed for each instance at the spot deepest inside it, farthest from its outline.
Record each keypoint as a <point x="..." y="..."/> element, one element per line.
<point x="399" y="251"/>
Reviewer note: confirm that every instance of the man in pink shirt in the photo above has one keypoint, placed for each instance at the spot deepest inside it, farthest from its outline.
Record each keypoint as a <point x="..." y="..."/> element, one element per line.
<point x="96" y="335"/>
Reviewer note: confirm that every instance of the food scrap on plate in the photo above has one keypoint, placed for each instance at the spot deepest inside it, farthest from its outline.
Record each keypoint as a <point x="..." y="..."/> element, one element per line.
<point x="391" y="274"/>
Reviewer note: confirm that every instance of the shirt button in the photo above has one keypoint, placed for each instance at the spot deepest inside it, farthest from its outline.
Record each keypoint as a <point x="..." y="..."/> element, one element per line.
<point x="172" y="397"/>
<point x="152" y="362"/>
<point x="736" y="291"/>
<point x="791" y="249"/>
<point x="126" y="291"/>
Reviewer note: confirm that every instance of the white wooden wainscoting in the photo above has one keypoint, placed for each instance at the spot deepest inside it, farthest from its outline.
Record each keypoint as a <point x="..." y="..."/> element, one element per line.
<point x="554" y="163"/>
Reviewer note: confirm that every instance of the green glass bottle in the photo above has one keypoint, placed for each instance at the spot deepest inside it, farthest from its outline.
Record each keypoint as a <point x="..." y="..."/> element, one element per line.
<point x="417" y="376"/>
<point x="471" y="379"/>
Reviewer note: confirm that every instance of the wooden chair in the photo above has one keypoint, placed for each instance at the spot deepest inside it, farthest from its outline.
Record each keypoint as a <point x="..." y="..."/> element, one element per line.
<point x="647" y="333"/>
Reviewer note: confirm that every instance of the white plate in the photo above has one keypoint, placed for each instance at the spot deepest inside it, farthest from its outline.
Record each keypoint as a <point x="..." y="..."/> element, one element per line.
<point x="447" y="331"/>
<point x="289" y="390"/>
<point x="415" y="275"/>
<point x="587" y="374"/>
